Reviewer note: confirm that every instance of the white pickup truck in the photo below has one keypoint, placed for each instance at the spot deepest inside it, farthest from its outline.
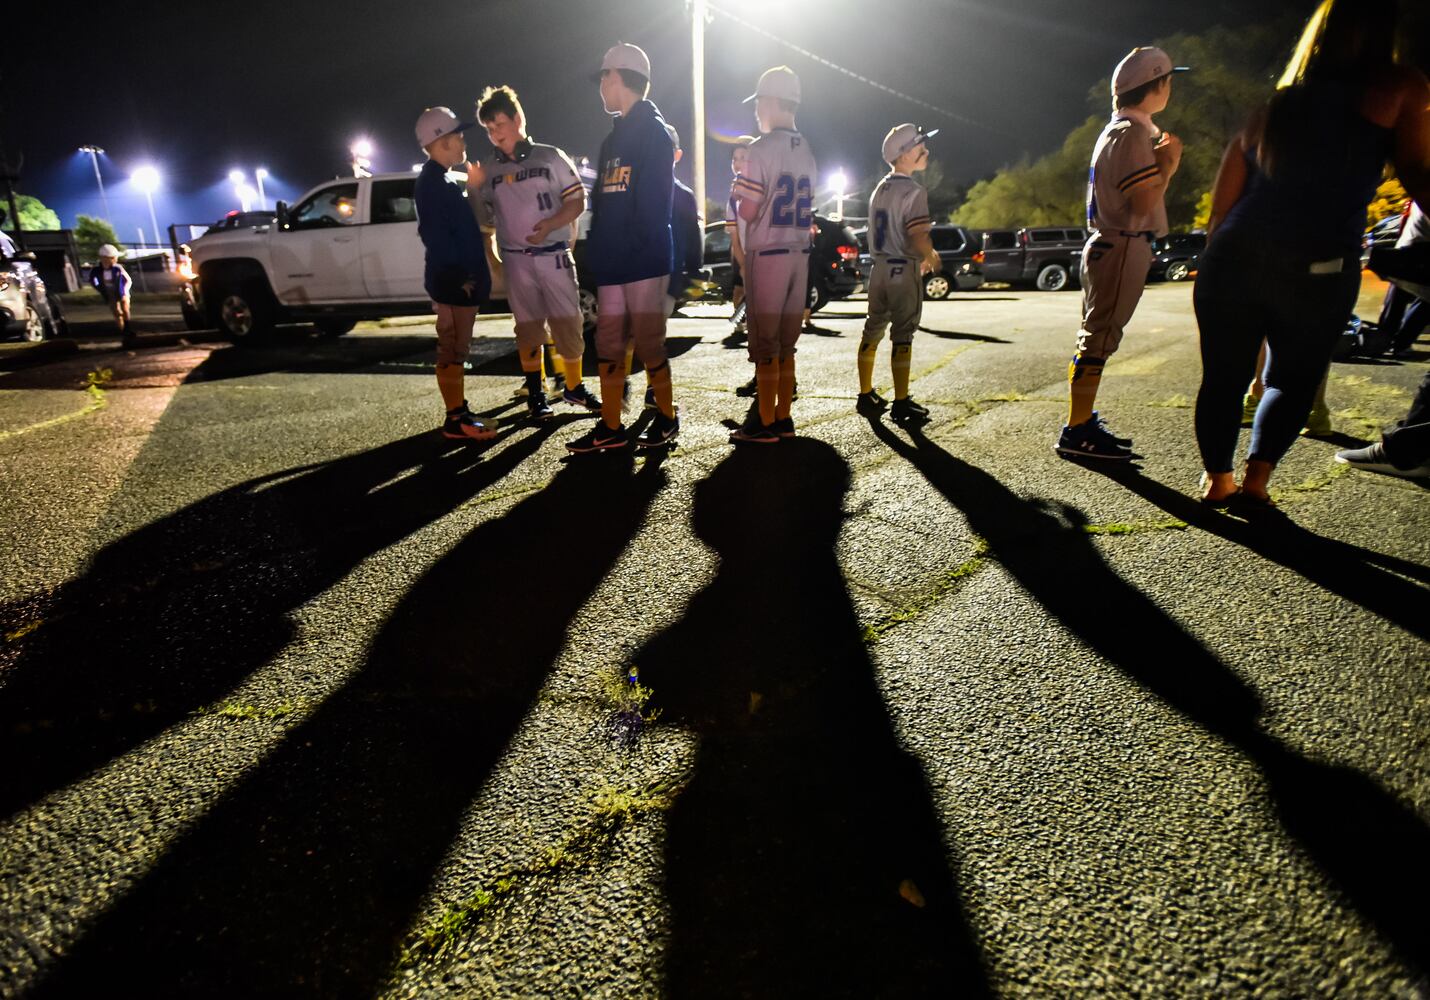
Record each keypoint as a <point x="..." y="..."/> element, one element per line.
<point x="347" y="251"/>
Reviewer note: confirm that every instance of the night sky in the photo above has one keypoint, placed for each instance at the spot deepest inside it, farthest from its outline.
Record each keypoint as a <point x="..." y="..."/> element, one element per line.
<point x="200" y="88"/>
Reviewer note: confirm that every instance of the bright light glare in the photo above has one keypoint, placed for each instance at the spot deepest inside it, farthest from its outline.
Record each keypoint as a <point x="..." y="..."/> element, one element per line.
<point x="839" y="182"/>
<point x="235" y="176"/>
<point x="246" y="196"/>
<point x="362" y="148"/>
<point x="146" y="179"/>
<point x="261" y="173"/>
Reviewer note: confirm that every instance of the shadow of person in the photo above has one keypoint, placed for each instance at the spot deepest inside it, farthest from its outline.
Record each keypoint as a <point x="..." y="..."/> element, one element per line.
<point x="306" y="877"/>
<point x="1370" y="845"/>
<point x="804" y="819"/>
<point x="174" y="615"/>
<point x="981" y="338"/>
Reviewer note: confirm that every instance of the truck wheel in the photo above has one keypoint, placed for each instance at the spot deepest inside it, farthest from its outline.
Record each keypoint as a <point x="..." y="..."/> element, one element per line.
<point x="818" y="297"/>
<point x="1052" y="278"/>
<point x="1178" y="271"/>
<point x="244" y="312"/>
<point x="334" y="327"/>
<point x="937" y="286"/>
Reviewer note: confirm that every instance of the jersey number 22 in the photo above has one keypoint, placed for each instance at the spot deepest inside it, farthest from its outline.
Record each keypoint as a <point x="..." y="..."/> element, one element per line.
<point x="793" y="202"/>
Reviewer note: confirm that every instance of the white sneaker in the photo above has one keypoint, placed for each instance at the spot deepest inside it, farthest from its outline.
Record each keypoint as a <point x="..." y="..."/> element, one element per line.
<point x="1373" y="459"/>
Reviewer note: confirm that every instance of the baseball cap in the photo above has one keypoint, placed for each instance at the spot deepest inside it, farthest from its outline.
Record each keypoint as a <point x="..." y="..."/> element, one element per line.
<point x="778" y="82"/>
<point x="624" y="55"/>
<point x="902" y="138"/>
<point x="1142" y="66"/>
<point x="109" y="250"/>
<point x="437" y="122"/>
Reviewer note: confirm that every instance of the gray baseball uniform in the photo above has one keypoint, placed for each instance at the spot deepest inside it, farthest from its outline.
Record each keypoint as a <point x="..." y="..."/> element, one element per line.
<point x="778" y="176"/>
<point x="518" y="193"/>
<point x="898" y="211"/>
<point x="1119" y="252"/>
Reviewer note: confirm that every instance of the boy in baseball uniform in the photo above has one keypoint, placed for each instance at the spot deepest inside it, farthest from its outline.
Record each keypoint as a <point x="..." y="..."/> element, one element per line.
<point x="455" y="276"/>
<point x="899" y="242"/>
<point x="528" y="199"/>
<point x="630" y="251"/>
<point x="1132" y="164"/>
<point x="735" y="228"/>
<point x="774" y="194"/>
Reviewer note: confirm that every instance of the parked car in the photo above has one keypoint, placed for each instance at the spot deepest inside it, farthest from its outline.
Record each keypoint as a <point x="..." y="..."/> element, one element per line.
<point x="26" y="309"/>
<point x="1175" y="256"/>
<point x="242" y="220"/>
<point x="1044" y="258"/>
<point x="834" y="261"/>
<point x="957" y="248"/>
<point x="1385" y="233"/>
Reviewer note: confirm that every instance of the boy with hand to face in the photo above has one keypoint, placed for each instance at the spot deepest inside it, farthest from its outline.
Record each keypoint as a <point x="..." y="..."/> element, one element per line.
<point x="526" y="198"/>
<point x="112" y="283"/>
<point x="899" y="240"/>
<point x="774" y="194"/>
<point x="456" y="276"/>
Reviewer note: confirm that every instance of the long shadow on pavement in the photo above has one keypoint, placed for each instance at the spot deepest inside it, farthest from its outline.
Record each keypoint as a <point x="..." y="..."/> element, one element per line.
<point x="305" y="878"/>
<point x="176" y="614"/>
<point x="804" y="819"/>
<point x="1371" y="846"/>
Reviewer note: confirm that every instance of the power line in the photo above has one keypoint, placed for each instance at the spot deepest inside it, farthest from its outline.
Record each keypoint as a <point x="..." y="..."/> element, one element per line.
<point x="816" y="57"/>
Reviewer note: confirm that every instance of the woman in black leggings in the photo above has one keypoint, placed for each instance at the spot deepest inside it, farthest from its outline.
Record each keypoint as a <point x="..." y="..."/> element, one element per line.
<point x="1288" y="212"/>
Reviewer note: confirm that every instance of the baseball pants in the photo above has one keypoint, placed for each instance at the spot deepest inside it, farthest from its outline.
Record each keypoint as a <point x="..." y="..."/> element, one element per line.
<point x="896" y="301"/>
<point x="776" y="286"/>
<point x="541" y="289"/>
<point x="1114" y="272"/>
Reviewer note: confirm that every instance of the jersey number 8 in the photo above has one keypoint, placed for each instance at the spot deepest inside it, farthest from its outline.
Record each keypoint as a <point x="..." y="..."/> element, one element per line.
<point x="793" y="202"/>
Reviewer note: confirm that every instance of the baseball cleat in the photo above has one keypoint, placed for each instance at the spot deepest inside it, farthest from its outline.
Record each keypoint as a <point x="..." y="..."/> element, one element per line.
<point x="660" y="432"/>
<point x="754" y="432"/>
<point x="581" y="396"/>
<point x="599" y="438"/>
<point x="871" y="402"/>
<point x="906" y="411"/>
<point x="467" y="426"/>
<point x="1089" y="440"/>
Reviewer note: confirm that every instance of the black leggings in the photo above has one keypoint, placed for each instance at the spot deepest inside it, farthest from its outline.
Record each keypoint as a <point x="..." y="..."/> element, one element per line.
<point x="1247" y="290"/>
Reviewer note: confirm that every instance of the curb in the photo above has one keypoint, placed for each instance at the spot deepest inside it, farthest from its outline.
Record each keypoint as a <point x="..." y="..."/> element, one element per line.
<point x="14" y="356"/>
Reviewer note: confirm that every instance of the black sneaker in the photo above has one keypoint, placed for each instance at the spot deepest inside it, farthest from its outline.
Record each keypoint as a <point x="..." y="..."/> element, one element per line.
<point x="650" y="403"/>
<point x="755" y="432"/>
<point x="537" y="408"/>
<point x="906" y="411"/>
<point x="581" y="396"/>
<point x="784" y="428"/>
<point x="1124" y="442"/>
<point x="1089" y="440"/>
<point x="749" y="389"/>
<point x="660" y="432"/>
<point x="599" y="438"/>
<point x="465" y="425"/>
<point x="871" y="402"/>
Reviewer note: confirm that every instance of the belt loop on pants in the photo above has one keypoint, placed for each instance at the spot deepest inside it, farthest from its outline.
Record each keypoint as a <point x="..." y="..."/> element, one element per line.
<point x="895" y="260"/>
<point x="774" y="253"/>
<point x="549" y="248"/>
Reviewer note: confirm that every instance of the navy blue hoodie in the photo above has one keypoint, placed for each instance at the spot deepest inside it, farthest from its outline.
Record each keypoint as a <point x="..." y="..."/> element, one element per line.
<point x="630" y="236"/>
<point x="455" y="253"/>
<point x="689" y="237"/>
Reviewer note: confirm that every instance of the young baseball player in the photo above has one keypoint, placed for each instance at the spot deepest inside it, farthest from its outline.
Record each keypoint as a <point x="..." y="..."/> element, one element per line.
<point x="456" y="276"/>
<point x="775" y="196"/>
<point x="899" y="241"/>
<point x="630" y="250"/>
<point x="1132" y="164"/>
<point x="112" y="282"/>
<point x="528" y="199"/>
<point x="735" y="227"/>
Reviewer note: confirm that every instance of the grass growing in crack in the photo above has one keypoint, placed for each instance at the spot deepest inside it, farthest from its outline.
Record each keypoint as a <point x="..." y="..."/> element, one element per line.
<point x="1134" y="527"/>
<point x="944" y="585"/>
<point x="240" y="711"/>
<point x="628" y="699"/>
<point x="1177" y="402"/>
<point x="612" y="809"/>
<point x="1312" y="484"/>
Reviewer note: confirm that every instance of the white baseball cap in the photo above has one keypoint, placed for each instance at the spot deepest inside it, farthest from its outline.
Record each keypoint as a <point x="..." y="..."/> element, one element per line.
<point x="1142" y="66"/>
<point x="902" y="138"/>
<point x="109" y="250"/>
<point x="437" y="122"/>
<point x="778" y="82"/>
<point x="624" y="55"/>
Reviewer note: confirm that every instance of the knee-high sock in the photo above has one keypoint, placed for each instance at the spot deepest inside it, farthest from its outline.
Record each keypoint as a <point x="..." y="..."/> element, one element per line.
<point x="786" y="396"/>
<point x="572" y="368"/>
<point x="867" y="352"/>
<point x="556" y="363"/>
<point x="1084" y="377"/>
<point x="767" y="387"/>
<point x="612" y="379"/>
<point x="659" y="379"/>
<point x="451" y="382"/>
<point x="902" y="359"/>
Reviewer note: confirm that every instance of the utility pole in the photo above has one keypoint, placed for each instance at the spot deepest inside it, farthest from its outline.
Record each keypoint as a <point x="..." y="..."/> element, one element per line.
<point x="698" y="13"/>
<point x="94" y="152"/>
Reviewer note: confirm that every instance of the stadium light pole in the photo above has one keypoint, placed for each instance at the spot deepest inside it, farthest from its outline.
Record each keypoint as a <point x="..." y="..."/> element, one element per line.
<point x="840" y="184"/>
<point x="261" y="174"/>
<point x="362" y="157"/>
<point x="94" y="152"/>
<point x="698" y="13"/>
<point x="147" y="179"/>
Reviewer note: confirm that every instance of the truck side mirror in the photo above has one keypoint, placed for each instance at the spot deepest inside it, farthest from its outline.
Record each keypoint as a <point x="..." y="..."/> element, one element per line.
<point x="280" y="211"/>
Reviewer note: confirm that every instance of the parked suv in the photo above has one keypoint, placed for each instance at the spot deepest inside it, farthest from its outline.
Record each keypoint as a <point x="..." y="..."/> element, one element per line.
<point x="26" y="310"/>
<point x="956" y="246"/>
<point x="833" y="261"/>
<point x="1044" y="258"/>
<point x="348" y="250"/>
<point x="1175" y="256"/>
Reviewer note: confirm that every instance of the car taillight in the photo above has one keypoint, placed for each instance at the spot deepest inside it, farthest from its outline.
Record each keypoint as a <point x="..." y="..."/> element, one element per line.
<point x="186" y="270"/>
<point x="978" y="257"/>
<point x="848" y="252"/>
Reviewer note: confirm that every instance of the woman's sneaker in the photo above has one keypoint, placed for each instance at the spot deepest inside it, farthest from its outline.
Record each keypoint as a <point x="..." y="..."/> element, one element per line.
<point x="660" y="432"/>
<point x="1318" y="424"/>
<point x="581" y="396"/>
<point x="599" y="438"/>
<point x="1249" y="403"/>
<point x="1374" y="459"/>
<point x="1089" y="440"/>
<point x="465" y="425"/>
